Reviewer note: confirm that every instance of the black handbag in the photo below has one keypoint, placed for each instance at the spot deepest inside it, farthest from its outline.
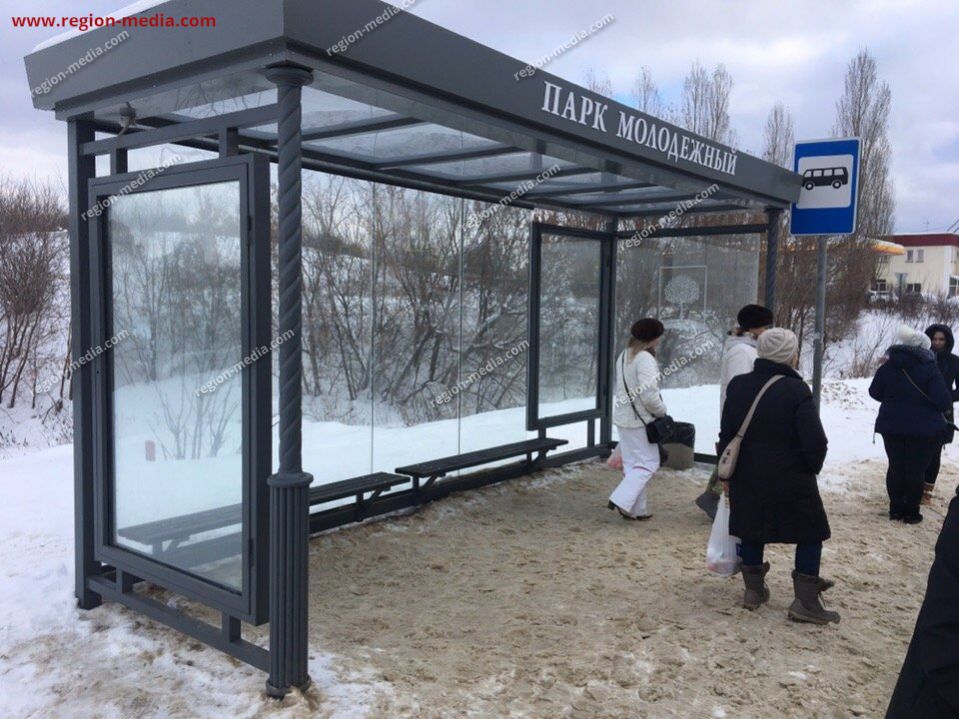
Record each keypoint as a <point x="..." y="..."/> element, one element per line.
<point x="661" y="428"/>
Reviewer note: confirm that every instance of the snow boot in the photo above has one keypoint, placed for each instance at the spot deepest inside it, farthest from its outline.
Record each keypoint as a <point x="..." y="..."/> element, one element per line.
<point x="757" y="593"/>
<point x="807" y="606"/>
<point x="708" y="501"/>
<point x="927" y="490"/>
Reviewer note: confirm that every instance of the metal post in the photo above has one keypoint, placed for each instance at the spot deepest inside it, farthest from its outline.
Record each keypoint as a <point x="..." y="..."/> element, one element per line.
<point x="774" y="217"/>
<point x="289" y="487"/>
<point x="609" y="341"/>
<point x="821" y="267"/>
<point x="82" y="168"/>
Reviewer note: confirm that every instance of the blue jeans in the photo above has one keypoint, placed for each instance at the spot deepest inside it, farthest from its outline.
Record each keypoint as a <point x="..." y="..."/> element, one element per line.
<point x="808" y="556"/>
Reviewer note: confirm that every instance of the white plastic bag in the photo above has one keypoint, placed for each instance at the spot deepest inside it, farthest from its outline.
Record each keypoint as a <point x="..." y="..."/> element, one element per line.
<point x="722" y="552"/>
<point x="615" y="460"/>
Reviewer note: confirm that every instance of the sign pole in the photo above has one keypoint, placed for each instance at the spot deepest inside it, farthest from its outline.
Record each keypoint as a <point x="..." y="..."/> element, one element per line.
<point x="829" y="176"/>
<point x="818" y="342"/>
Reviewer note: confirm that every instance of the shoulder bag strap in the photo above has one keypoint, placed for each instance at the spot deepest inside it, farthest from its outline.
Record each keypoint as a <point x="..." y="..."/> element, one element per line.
<point x="913" y="383"/>
<point x="629" y="394"/>
<point x="928" y="398"/>
<point x="752" y="410"/>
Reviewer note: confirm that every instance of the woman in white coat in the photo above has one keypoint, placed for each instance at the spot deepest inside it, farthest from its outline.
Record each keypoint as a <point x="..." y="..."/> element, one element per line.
<point x="636" y="402"/>
<point x="739" y="355"/>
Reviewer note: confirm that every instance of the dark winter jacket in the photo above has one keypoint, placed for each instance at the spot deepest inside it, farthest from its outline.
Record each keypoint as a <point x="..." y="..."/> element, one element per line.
<point x="928" y="686"/>
<point x="773" y="494"/>
<point x="948" y="365"/>
<point x="904" y="409"/>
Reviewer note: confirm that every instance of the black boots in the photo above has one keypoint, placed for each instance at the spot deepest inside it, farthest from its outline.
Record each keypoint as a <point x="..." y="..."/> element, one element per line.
<point x="807" y="606"/>
<point x="757" y="593"/>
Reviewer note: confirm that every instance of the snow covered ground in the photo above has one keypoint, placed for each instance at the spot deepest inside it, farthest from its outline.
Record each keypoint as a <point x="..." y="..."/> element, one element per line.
<point x="56" y="661"/>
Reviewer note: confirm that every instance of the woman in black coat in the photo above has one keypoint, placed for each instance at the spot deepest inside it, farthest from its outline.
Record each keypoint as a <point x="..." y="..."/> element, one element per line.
<point x="942" y="344"/>
<point x="928" y="686"/>
<point x="913" y="396"/>
<point x="773" y="494"/>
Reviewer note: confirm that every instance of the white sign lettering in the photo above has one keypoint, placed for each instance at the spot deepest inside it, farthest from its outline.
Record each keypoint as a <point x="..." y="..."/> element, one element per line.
<point x="673" y="143"/>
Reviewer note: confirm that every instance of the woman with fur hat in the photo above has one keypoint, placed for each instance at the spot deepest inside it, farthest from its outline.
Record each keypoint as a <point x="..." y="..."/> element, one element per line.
<point x="913" y="398"/>
<point x="636" y="403"/>
<point x="739" y="354"/>
<point x="773" y="492"/>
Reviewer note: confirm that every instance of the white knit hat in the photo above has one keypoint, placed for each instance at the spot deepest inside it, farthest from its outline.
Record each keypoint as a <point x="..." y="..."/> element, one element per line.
<point x="906" y="335"/>
<point x="778" y="344"/>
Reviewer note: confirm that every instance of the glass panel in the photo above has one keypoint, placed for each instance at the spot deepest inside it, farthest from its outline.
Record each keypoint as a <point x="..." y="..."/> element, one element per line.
<point x="695" y="285"/>
<point x="323" y="110"/>
<point x="498" y="165"/>
<point x="492" y="387"/>
<point x="337" y="330"/>
<point x="416" y="340"/>
<point x="165" y="156"/>
<point x="215" y="96"/>
<point x="569" y="324"/>
<point x="177" y="283"/>
<point x="402" y="142"/>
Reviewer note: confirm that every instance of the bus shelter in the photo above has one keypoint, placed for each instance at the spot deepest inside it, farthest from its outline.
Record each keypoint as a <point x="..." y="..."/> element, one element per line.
<point x="188" y="287"/>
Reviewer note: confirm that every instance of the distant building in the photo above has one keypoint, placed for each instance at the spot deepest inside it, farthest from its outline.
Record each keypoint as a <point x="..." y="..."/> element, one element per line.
<point x="929" y="265"/>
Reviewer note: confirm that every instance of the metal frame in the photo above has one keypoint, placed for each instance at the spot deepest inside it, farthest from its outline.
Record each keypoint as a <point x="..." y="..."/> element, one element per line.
<point x="252" y="174"/>
<point x="606" y="289"/>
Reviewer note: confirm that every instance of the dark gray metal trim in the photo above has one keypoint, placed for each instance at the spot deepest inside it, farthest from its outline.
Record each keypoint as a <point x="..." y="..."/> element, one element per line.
<point x="228" y="642"/>
<point x="772" y="253"/>
<point x="248" y="604"/>
<point x="520" y="176"/>
<point x="698" y="210"/>
<point x="649" y="200"/>
<point x="697" y="231"/>
<point x="290" y="486"/>
<point x="588" y="190"/>
<point x="606" y="421"/>
<point x="188" y="130"/>
<point x="81" y="170"/>
<point x="607" y="249"/>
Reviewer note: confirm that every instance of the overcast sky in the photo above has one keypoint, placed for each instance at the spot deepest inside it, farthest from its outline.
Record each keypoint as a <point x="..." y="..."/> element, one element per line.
<point x="794" y="52"/>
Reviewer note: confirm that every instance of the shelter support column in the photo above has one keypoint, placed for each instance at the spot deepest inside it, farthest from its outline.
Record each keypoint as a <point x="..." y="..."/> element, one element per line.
<point x="608" y="336"/>
<point x="82" y="168"/>
<point x="774" y="226"/>
<point x="289" y="487"/>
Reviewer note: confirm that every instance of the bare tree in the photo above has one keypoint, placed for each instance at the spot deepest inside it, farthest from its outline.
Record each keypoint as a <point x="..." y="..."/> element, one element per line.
<point x="779" y="136"/>
<point x="705" y="103"/>
<point x="646" y="95"/>
<point x="32" y="256"/>
<point x="863" y="112"/>
<point x="598" y="83"/>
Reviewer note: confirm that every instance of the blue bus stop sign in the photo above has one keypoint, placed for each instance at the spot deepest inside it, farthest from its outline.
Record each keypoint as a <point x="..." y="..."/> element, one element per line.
<point x="830" y="190"/>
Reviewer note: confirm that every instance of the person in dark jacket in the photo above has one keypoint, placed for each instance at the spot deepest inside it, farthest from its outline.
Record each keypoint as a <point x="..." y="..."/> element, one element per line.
<point x="928" y="686"/>
<point x="773" y="493"/>
<point x="942" y="343"/>
<point x="913" y="397"/>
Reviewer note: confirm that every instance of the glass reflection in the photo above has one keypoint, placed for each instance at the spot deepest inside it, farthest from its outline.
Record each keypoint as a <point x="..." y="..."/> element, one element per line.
<point x="177" y="406"/>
